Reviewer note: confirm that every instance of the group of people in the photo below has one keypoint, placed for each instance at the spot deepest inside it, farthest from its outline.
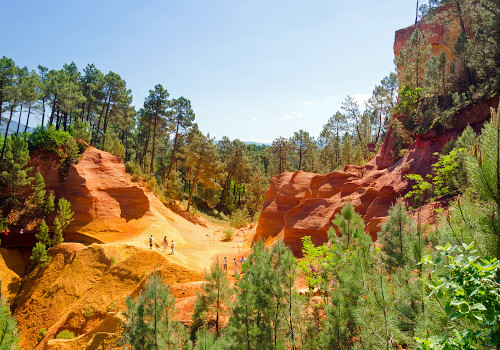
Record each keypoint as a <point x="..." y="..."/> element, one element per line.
<point x="165" y="244"/>
<point x="6" y="232"/>
<point x="236" y="264"/>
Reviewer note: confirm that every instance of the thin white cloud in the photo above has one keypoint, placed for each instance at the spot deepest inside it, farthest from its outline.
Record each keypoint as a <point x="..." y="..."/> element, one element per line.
<point x="361" y="99"/>
<point x="310" y="103"/>
<point x="286" y="117"/>
<point x="253" y="118"/>
<point x="297" y="115"/>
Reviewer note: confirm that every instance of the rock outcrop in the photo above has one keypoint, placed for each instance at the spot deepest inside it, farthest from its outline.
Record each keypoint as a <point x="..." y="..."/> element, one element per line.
<point x="303" y="204"/>
<point x="84" y="286"/>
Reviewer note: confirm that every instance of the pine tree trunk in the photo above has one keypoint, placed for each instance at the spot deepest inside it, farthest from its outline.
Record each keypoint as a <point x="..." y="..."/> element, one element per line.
<point x="147" y="143"/>
<point x="43" y="111"/>
<point x="154" y="146"/>
<point x="52" y="111"/>
<point x="27" y="119"/>
<point x="173" y="152"/>
<point x="192" y="189"/>
<point x="7" y="129"/>
<point x="19" y="121"/>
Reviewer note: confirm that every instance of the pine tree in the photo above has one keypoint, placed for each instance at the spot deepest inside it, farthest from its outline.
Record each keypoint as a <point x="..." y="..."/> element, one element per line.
<point x="350" y="225"/>
<point x="64" y="213"/>
<point x="58" y="235"/>
<point x="39" y="254"/>
<point x="43" y="234"/>
<point x="483" y="171"/>
<point x="149" y="321"/>
<point x="213" y="299"/>
<point x="9" y="338"/>
<point x="394" y="236"/>
<point x="40" y="192"/>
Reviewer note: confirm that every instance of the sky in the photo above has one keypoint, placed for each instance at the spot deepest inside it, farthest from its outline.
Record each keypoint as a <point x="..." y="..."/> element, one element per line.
<point x="253" y="70"/>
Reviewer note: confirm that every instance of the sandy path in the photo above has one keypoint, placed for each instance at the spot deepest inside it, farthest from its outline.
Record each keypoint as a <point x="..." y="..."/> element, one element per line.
<point x="196" y="246"/>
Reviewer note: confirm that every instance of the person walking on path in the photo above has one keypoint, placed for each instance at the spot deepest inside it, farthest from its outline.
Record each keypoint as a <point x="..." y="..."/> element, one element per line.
<point x="165" y="243"/>
<point x="5" y="233"/>
<point x="21" y="232"/>
<point x="151" y="242"/>
<point x="242" y="260"/>
<point x="224" y="263"/>
<point x="236" y="267"/>
<point x="172" y="246"/>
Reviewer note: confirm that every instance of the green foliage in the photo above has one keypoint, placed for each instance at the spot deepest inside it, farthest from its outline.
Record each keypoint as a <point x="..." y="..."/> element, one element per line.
<point x="228" y="234"/>
<point x="264" y="312"/>
<point x="350" y="225"/>
<point x="113" y="145"/>
<point x="312" y="265"/>
<point x="149" y="322"/>
<point x="420" y="191"/>
<point x="48" y="139"/>
<point x="9" y="337"/>
<point x="65" y="334"/>
<point x="13" y="171"/>
<point x="70" y="154"/>
<point x="64" y="213"/>
<point x="58" y="234"/>
<point x="469" y="292"/>
<point x="394" y="236"/>
<point x="401" y="139"/>
<point x="43" y="234"/>
<point x="446" y="171"/>
<point x="239" y="218"/>
<point x="80" y="130"/>
<point x="39" y="255"/>
<point x="39" y="198"/>
<point x="213" y="300"/>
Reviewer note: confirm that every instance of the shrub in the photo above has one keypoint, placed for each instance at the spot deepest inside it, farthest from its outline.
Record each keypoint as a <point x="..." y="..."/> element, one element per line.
<point x="88" y="312"/>
<point x="48" y="138"/>
<point x="239" y="218"/>
<point x="81" y="130"/>
<point x="65" y="334"/>
<point x="228" y="234"/>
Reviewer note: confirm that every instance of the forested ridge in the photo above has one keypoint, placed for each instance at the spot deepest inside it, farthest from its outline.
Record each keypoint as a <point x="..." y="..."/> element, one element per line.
<point x="417" y="287"/>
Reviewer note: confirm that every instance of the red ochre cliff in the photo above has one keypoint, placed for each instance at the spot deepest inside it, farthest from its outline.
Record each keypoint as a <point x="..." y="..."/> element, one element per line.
<point x="303" y="204"/>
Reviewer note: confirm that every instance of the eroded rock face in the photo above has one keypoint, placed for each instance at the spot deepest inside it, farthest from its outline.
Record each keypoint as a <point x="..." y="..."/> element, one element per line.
<point x="303" y="204"/>
<point x="84" y="287"/>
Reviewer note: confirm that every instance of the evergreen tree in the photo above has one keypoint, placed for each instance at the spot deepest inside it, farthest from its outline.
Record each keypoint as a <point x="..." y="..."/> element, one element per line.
<point x="201" y="158"/>
<point x="394" y="235"/>
<point x="39" y="197"/>
<point x="412" y="59"/>
<point x="213" y="299"/>
<point x="39" y="254"/>
<point x="43" y="235"/>
<point x="349" y="224"/>
<point x="64" y="213"/>
<point x="9" y="337"/>
<point x="149" y="321"/>
<point x="14" y="174"/>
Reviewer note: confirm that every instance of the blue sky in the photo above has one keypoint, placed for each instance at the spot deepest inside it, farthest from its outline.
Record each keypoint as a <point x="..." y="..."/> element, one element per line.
<point x="253" y="70"/>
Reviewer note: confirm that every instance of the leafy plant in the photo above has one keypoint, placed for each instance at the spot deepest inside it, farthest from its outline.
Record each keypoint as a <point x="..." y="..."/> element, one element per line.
<point x="228" y="234"/>
<point x="65" y="334"/>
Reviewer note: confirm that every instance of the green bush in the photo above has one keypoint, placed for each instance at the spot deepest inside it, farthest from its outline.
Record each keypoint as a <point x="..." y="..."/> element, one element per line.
<point x="48" y="139"/>
<point x="239" y="218"/>
<point x="65" y="334"/>
<point x="228" y="234"/>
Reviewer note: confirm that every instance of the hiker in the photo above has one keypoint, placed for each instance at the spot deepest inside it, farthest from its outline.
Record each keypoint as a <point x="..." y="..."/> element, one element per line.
<point x="172" y="246"/>
<point x="151" y="242"/>
<point x="5" y="233"/>
<point x="235" y="267"/>
<point x="21" y="232"/>
<point x="165" y="243"/>
<point x="224" y="264"/>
